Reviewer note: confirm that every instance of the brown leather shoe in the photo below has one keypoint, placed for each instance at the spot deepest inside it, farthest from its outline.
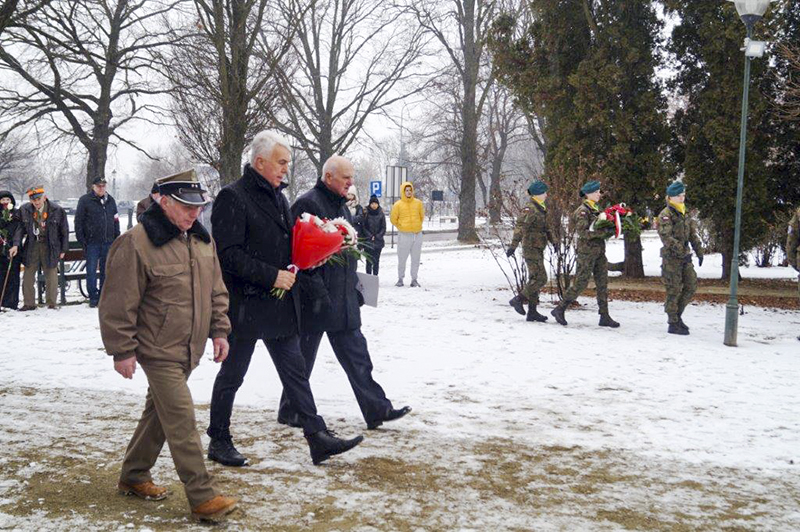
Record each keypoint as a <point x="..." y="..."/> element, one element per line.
<point x="144" y="490"/>
<point x="26" y="308"/>
<point x="213" y="510"/>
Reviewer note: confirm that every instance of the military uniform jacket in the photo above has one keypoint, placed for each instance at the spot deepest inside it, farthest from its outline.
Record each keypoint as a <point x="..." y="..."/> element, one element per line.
<point x="677" y="231"/>
<point x="793" y="241"/>
<point x="590" y="242"/>
<point x="532" y="230"/>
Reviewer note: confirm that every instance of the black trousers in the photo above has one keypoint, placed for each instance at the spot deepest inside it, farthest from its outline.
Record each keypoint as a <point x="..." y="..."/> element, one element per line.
<point x="288" y="360"/>
<point x="11" y="297"/>
<point x="374" y="264"/>
<point x="351" y="351"/>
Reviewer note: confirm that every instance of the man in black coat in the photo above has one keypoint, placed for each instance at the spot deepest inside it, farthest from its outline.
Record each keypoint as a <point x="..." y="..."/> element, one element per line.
<point x="96" y="228"/>
<point x="331" y="305"/>
<point x="253" y="230"/>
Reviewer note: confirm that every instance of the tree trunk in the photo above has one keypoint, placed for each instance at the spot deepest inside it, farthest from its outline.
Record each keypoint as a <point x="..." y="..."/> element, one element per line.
<point x="96" y="161"/>
<point x="469" y="136"/>
<point x="634" y="265"/>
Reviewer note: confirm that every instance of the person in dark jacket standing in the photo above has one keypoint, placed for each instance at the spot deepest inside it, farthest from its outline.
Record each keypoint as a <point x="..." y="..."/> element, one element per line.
<point x="373" y="225"/>
<point x="10" y="259"/>
<point x="253" y="228"/>
<point x="331" y="304"/>
<point x="45" y="230"/>
<point x="96" y="228"/>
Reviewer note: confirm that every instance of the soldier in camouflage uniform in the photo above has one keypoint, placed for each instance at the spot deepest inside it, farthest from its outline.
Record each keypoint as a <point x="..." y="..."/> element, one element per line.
<point x="534" y="234"/>
<point x="793" y="245"/>
<point x="677" y="231"/>
<point x="591" y="251"/>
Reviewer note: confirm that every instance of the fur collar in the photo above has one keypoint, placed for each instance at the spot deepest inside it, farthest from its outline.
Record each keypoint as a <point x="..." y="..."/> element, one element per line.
<point x="160" y="230"/>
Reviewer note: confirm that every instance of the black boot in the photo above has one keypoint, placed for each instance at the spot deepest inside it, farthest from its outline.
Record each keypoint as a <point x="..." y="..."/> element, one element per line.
<point x="324" y="444"/>
<point x="223" y="452"/>
<point x="517" y="303"/>
<point x="533" y="315"/>
<point x="675" y="328"/>
<point x="391" y="415"/>
<point x="558" y="314"/>
<point x="606" y="321"/>
<point x="680" y="322"/>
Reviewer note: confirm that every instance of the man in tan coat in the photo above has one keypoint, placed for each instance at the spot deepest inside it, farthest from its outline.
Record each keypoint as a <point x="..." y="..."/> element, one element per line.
<point x="162" y="299"/>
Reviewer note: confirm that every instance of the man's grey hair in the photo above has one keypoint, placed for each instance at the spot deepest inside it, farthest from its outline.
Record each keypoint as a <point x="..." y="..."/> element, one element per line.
<point x="264" y="142"/>
<point x="332" y="164"/>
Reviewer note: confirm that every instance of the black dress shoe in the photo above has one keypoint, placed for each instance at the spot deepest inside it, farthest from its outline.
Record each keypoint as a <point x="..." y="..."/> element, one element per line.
<point x="324" y="444"/>
<point x="223" y="452"/>
<point x="290" y="423"/>
<point x="391" y="415"/>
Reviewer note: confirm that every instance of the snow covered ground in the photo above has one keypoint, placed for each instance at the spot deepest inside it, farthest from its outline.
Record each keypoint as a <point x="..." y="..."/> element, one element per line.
<point x="516" y="426"/>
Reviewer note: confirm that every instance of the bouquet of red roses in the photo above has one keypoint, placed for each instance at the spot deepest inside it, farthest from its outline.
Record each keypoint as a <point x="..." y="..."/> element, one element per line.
<point x="316" y="240"/>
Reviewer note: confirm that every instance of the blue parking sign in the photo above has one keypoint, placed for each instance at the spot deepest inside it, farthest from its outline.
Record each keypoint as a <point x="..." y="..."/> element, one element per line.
<point x="376" y="187"/>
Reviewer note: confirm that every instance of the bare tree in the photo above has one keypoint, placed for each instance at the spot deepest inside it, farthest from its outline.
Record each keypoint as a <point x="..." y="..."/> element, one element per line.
<point x="224" y="76"/>
<point x="355" y="59"/>
<point x="14" y="165"/>
<point x="461" y="27"/>
<point x="505" y="126"/>
<point x="13" y="11"/>
<point x="81" y="67"/>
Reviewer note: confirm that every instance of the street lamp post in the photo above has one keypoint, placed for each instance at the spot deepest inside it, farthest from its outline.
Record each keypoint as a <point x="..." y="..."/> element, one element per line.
<point x="750" y="11"/>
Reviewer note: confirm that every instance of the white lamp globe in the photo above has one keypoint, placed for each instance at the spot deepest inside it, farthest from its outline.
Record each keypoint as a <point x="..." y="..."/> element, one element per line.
<point x="751" y="8"/>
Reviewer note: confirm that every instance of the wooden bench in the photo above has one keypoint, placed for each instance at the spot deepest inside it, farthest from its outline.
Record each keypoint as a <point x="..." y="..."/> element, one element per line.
<point x="71" y="268"/>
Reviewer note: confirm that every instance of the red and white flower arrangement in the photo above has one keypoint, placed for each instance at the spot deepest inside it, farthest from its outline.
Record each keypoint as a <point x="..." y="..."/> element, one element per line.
<point x="317" y="240"/>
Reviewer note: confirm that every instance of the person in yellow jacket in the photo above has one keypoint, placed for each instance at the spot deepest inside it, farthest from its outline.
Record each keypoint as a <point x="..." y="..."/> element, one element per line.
<point x="407" y="215"/>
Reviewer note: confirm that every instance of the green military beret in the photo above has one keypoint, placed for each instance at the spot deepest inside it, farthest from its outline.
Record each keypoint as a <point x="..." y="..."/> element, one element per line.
<point x="591" y="186"/>
<point x="536" y="188"/>
<point x="675" y="189"/>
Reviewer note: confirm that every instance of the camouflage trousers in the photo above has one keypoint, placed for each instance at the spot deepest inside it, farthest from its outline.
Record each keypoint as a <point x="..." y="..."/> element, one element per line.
<point x="590" y="266"/>
<point x="537" y="276"/>
<point x="680" y="281"/>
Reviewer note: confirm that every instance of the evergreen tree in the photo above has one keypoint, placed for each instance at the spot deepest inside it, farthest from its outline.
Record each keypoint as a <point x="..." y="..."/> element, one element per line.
<point x="588" y="70"/>
<point x="707" y="46"/>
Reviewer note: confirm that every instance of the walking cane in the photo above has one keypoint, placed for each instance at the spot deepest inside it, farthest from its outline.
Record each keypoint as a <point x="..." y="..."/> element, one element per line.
<point x="5" y="283"/>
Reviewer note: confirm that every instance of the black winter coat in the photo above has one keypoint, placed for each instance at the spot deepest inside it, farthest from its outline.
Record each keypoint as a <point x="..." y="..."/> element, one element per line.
<point x="96" y="222"/>
<point x="330" y="300"/>
<point x="374" y="228"/>
<point x="252" y="226"/>
<point x="8" y="228"/>
<point x="57" y="233"/>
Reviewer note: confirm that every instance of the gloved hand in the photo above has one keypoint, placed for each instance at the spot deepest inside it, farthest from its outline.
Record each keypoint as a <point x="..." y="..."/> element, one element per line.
<point x="699" y="260"/>
<point x="510" y="251"/>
